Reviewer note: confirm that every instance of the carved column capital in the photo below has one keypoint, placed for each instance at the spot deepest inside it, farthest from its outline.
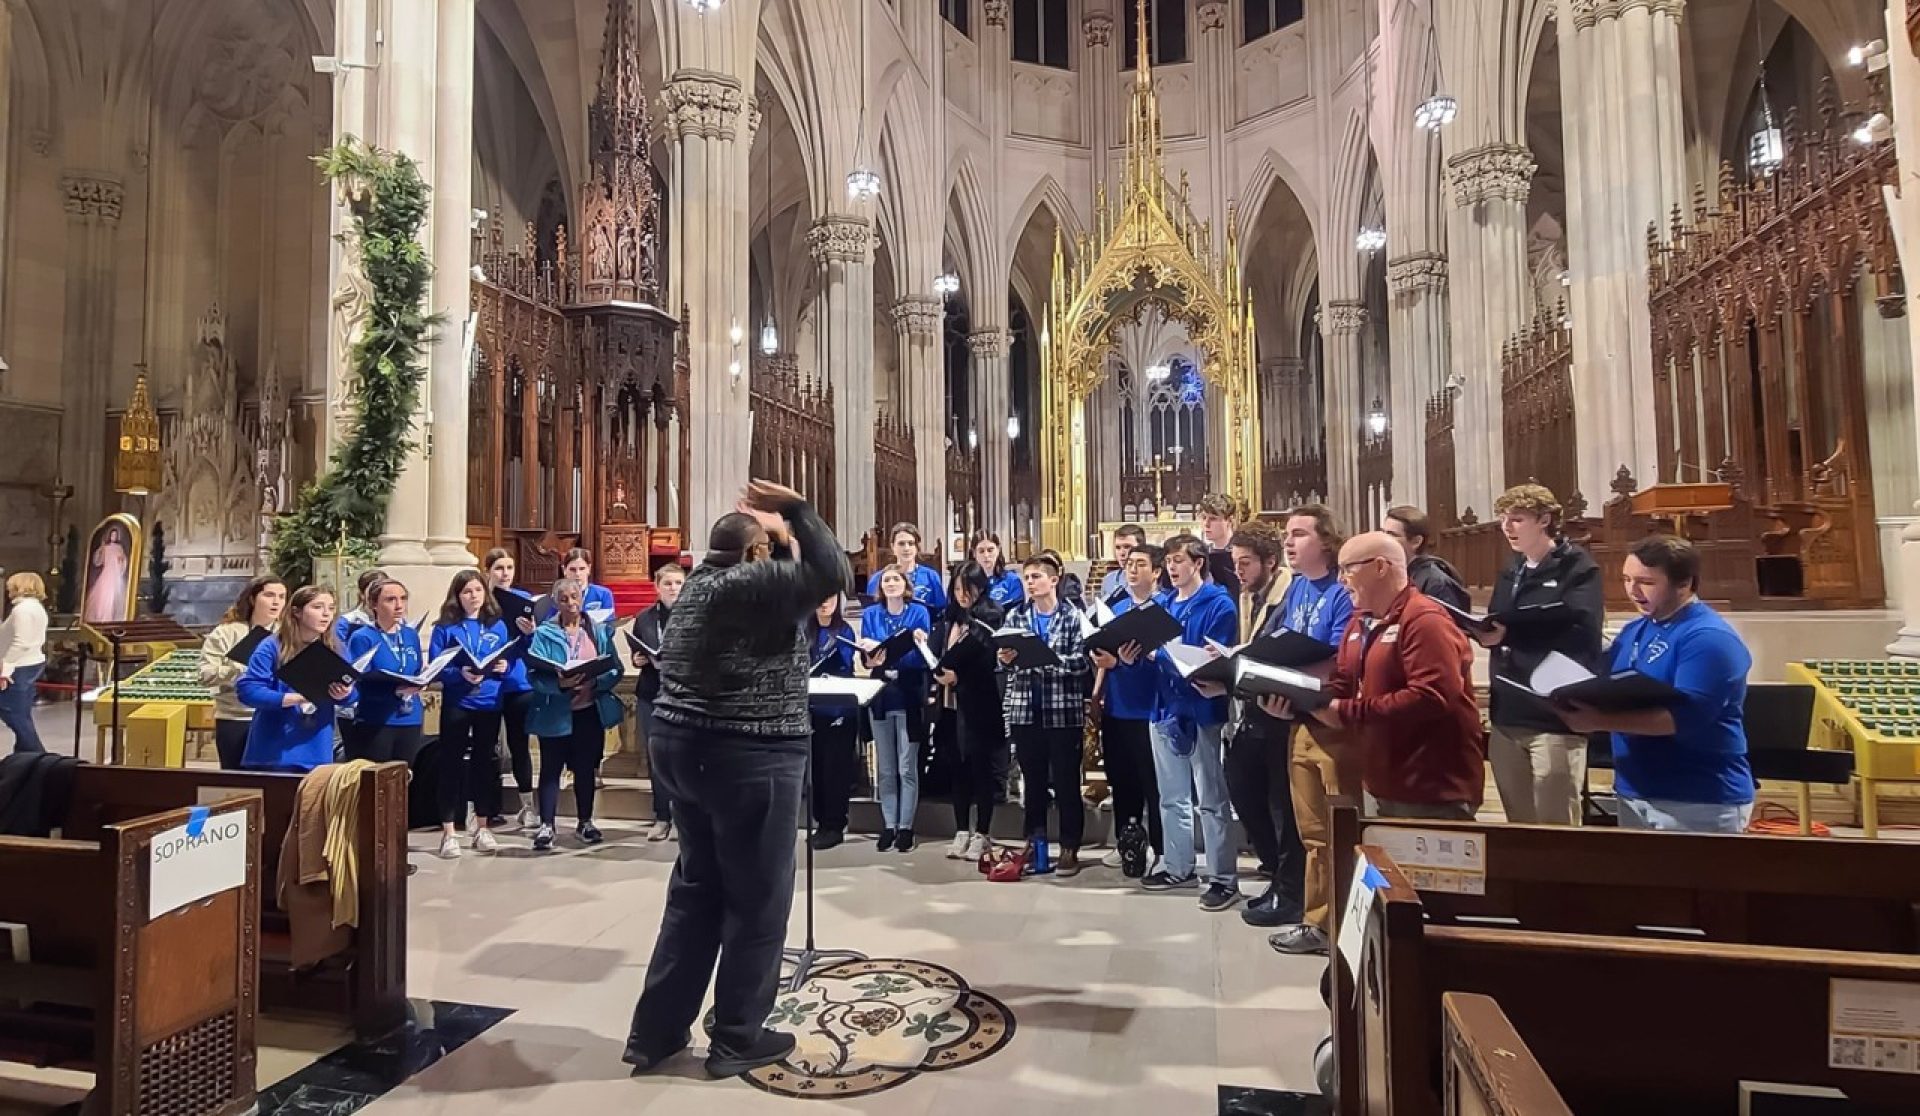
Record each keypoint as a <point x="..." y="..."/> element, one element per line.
<point x="1341" y="317"/>
<point x="1213" y="15"/>
<point x="987" y="344"/>
<point x="995" y="12"/>
<point x="838" y="238"/>
<point x="702" y="104"/>
<point x="92" y="195"/>
<point x="920" y="315"/>
<point x="1491" y="172"/>
<point x="1099" y="29"/>
<point x="1418" y="271"/>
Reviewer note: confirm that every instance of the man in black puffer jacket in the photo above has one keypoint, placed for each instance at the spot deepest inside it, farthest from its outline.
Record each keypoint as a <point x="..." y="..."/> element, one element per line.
<point x="1429" y="573"/>
<point x="730" y="739"/>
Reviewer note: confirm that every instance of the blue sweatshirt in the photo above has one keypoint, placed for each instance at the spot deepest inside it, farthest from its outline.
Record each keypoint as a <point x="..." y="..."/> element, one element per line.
<point x="481" y="638"/>
<point x="926" y="588"/>
<point x="827" y="645"/>
<point x="1209" y="614"/>
<point x="1006" y="589"/>
<point x="1705" y="760"/>
<point x="597" y="598"/>
<point x="380" y="702"/>
<point x="1317" y="608"/>
<point x="910" y="682"/>
<point x="1133" y="692"/>
<point x="514" y="681"/>
<point x="282" y="737"/>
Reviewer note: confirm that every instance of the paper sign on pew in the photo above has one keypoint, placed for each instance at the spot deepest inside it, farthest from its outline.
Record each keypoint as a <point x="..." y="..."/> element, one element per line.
<point x="1367" y="883"/>
<point x="190" y="862"/>
<point x="1873" y="1025"/>
<point x="1437" y="860"/>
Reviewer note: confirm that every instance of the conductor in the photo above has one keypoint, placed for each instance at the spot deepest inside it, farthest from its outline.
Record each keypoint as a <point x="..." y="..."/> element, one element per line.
<point x="730" y="742"/>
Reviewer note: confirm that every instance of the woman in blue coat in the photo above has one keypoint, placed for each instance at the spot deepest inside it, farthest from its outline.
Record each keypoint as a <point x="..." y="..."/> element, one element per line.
<point x="470" y="712"/>
<point x="834" y="730"/>
<point x="1004" y="587"/>
<point x="388" y="717"/>
<point x="290" y="731"/>
<point x="595" y="600"/>
<point x="898" y="708"/>
<point x="570" y="714"/>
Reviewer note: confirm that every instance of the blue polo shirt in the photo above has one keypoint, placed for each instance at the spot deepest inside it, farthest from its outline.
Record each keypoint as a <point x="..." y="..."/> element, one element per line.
<point x="1133" y="692"/>
<point x="926" y="587"/>
<point x="1705" y="760"/>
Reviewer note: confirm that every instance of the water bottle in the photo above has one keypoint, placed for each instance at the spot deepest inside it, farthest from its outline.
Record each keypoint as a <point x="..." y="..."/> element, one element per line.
<point x="1042" y="862"/>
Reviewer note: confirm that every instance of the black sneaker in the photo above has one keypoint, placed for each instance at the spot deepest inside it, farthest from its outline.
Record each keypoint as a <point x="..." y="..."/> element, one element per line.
<point x="769" y="1048"/>
<point x="646" y="1061"/>
<point x="543" y="838"/>
<point x="589" y="833"/>
<point x="1164" y="881"/>
<point x="1271" y="910"/>
<point x="885" y="842"/>
<point x="903" y="840"/>
<point x="824" y="839"/>
<point x="1219" y="897"/>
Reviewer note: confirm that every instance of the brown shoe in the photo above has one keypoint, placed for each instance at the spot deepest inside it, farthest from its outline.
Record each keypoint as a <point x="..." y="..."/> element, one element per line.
<point x="1068" y="864"/>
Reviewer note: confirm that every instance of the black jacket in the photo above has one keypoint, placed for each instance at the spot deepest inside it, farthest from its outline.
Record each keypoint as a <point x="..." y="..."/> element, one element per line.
<point x="35" y="789"/>
<point x="1431" y="575"/>
<point x="976" y="689"/>
<point x="1220" y="569"/>
<point x="1567" y="574"/>
<point x="648" y="628"/>
<point x="734" y="656"/>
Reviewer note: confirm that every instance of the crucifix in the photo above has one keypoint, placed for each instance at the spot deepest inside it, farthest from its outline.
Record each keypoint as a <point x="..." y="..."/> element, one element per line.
<point x="1159" y="471"/>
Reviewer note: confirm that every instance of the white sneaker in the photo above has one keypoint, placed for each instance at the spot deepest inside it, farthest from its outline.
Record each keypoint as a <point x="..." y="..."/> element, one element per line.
<point x="957" y="850"/>
<point x="1111" y="860"/>
<point x="473" y="822"/>
<point x="483" y="842"/>
<point x="978" y="845"/>
<point x="450" y="847"/>
<point x="528" y="818"/>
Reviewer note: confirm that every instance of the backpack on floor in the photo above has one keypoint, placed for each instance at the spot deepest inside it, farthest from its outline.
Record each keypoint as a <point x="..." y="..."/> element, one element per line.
<point x="1133" y="850"/>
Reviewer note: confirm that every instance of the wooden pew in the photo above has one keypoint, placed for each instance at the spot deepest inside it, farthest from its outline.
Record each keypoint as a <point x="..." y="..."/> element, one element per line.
<point x="1488" y="1069"/>
<point x="1822" y="893"/>
<point x="1621" y="1025"/>
<point x="367" y="983"/>
<point x="161" y="1010"/>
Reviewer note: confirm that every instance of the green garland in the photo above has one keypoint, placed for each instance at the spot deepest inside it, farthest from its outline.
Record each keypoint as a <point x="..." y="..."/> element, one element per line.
<point x="347" y="504"/>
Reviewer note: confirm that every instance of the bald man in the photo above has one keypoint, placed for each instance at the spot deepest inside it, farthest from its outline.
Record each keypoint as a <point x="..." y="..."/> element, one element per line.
<point x="1403" y="689"/>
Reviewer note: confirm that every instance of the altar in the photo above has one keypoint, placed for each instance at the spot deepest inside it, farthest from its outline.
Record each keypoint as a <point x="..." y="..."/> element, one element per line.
<point x="1158" y="531"/>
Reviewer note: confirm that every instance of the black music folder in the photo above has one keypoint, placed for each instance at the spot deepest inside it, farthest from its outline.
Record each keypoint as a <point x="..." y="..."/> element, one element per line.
<point x="1559" y="681"/>
<point x="513" y="605"/>
<point x="1253" y="679"/>
<point x="577" y="668"/>
<point x="1029" y="650"/>
<point x="1539" y="619"/>
<point x="1149" y="625"/>
<point x="249" y="643"/>
<point x="317" y="668"/>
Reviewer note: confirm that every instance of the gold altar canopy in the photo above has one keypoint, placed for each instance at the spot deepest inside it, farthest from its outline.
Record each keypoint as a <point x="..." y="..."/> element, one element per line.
<point x="1146" y="248"/>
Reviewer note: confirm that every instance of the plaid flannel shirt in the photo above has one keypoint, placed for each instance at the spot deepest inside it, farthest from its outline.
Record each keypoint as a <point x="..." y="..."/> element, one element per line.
<point x="1050" y="696"/>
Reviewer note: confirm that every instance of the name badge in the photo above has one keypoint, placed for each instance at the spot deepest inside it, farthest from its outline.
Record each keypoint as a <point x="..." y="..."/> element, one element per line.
<point x="1391" y="635"/>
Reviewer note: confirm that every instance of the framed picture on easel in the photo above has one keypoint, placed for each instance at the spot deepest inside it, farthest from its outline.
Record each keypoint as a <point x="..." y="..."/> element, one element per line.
<point x="110" y="575"/>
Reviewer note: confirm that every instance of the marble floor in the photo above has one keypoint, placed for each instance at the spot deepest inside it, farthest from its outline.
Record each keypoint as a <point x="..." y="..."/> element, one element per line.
<point x="1136" y="1002"/>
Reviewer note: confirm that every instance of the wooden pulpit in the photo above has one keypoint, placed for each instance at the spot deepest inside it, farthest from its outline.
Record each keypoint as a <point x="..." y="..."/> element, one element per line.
<point x="1678" y="501"/>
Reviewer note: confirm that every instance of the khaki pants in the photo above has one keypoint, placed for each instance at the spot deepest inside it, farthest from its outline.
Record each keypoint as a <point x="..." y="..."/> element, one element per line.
<point x="1324" y="765"/>
<point x="1539" y="774"/>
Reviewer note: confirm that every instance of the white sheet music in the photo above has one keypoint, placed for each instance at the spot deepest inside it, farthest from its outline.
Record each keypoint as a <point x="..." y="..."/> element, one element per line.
<point x="1555" y="671"/>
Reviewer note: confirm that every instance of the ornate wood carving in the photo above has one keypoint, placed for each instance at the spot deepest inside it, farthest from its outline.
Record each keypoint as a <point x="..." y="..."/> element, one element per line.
<point x="1375" y="472"/>
<point x="1755" y="302"/>
<point x="792" y="427"/>
<point x="963" y="488"/>
<point x="1294" y="477"/>
<point x="895" y="495"/>
<point x="1441" y="510"/>
<point x="1536" y="376"/>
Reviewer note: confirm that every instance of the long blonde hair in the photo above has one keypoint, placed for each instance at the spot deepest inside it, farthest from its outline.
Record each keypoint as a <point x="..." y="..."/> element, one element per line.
<point x="288" y="630"/>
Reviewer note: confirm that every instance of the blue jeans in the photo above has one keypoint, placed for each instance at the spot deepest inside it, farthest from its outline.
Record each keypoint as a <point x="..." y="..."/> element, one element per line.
<point x="1684" y="817"/>
<point x="1202" y="769"/>
<point x="897" y="757"/>
<point x="16" y="708"/>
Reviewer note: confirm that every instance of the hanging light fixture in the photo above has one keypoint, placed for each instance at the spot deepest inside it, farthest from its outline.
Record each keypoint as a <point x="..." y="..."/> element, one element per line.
<point x="1377" y="418"/>
<point x="973" y="437"/>
<point x="1158" y="372"/>
<point x="946" y="284"/>
<point x="704" y="6"/>
<point x="769" y="335"/>
<point x="1370" y="239"/>
<point x="1436" y="112"/>
<point x="1013" y="426"/>
<point x="769" y="338"/>
<point x="863" y="183"/>
<point x="1766" y="148"/>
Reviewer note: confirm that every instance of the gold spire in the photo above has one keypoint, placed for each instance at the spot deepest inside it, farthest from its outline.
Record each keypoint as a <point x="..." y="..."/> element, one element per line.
<point x="1141" y="72"/>
<point x="136" y="468"/>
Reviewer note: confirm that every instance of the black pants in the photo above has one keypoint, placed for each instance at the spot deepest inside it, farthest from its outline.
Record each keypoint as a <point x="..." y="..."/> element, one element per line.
<point x="1259" y="783"/>
<point x="737" y="802"/>
<point x="662" y="801"/>
<point x="230" y="742"/>
<point x="983" y="752"/>
<point x="579" y="752"/>
<point x="1050" y="764"/>
<point x="833" y="765"/>
<point x="383" y="743"/>
<point x="1128" y="747"/>
<point x="469" y="763"/>
<point x="513" y="714"/>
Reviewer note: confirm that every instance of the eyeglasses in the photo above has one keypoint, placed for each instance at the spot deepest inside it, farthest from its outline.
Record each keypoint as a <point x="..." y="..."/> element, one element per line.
<point x="1348" y="569"/>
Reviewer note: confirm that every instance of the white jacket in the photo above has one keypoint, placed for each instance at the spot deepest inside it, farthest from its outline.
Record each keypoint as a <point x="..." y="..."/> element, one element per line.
<point x="23" y="636"/>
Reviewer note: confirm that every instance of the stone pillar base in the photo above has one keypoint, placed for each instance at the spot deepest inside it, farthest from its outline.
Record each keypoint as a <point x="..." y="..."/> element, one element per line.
<point x="1906" y="645"/>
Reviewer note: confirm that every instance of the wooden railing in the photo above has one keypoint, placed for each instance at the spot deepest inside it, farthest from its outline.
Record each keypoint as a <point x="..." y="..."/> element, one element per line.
<point x="1180" y="489"/>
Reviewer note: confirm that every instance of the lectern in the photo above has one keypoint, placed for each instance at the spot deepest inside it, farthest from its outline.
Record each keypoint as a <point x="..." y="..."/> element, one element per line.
<point x="1678" y="501"/>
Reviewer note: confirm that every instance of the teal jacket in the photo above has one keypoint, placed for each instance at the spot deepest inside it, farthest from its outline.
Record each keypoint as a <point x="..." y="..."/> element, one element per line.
<point x="550" y="714"/>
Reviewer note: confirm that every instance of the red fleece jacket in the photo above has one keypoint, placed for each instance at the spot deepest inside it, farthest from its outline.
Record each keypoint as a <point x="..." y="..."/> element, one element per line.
<point x="1404" y="691"/>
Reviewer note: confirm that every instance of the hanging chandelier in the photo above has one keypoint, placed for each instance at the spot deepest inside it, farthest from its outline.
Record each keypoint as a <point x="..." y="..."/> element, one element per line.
<point x="1436" y="112"/>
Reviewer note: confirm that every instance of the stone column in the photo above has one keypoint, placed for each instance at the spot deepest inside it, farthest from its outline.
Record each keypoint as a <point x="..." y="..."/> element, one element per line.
<point x="1101" y="105"/>
<point x="452" y="246"/>
<point x="346" y="290"/>
<point x="842" y="247"/>
<point x="93" y="202"/>
<point x="1487" y="236"/>
<point x="1626" y="170"/>
<point x="409" y="76"/>
<point x="1417" y="334"/>
<point x="917" y="319"/>
<point x="992" y="403"/>
<point x="709" y="269"/>
<point x="1903" y="211"/>
<point x="1340" y="325"/>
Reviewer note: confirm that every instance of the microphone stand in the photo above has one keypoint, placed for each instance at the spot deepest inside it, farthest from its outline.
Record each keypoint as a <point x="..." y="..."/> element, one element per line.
<point x="810" y="956"/>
